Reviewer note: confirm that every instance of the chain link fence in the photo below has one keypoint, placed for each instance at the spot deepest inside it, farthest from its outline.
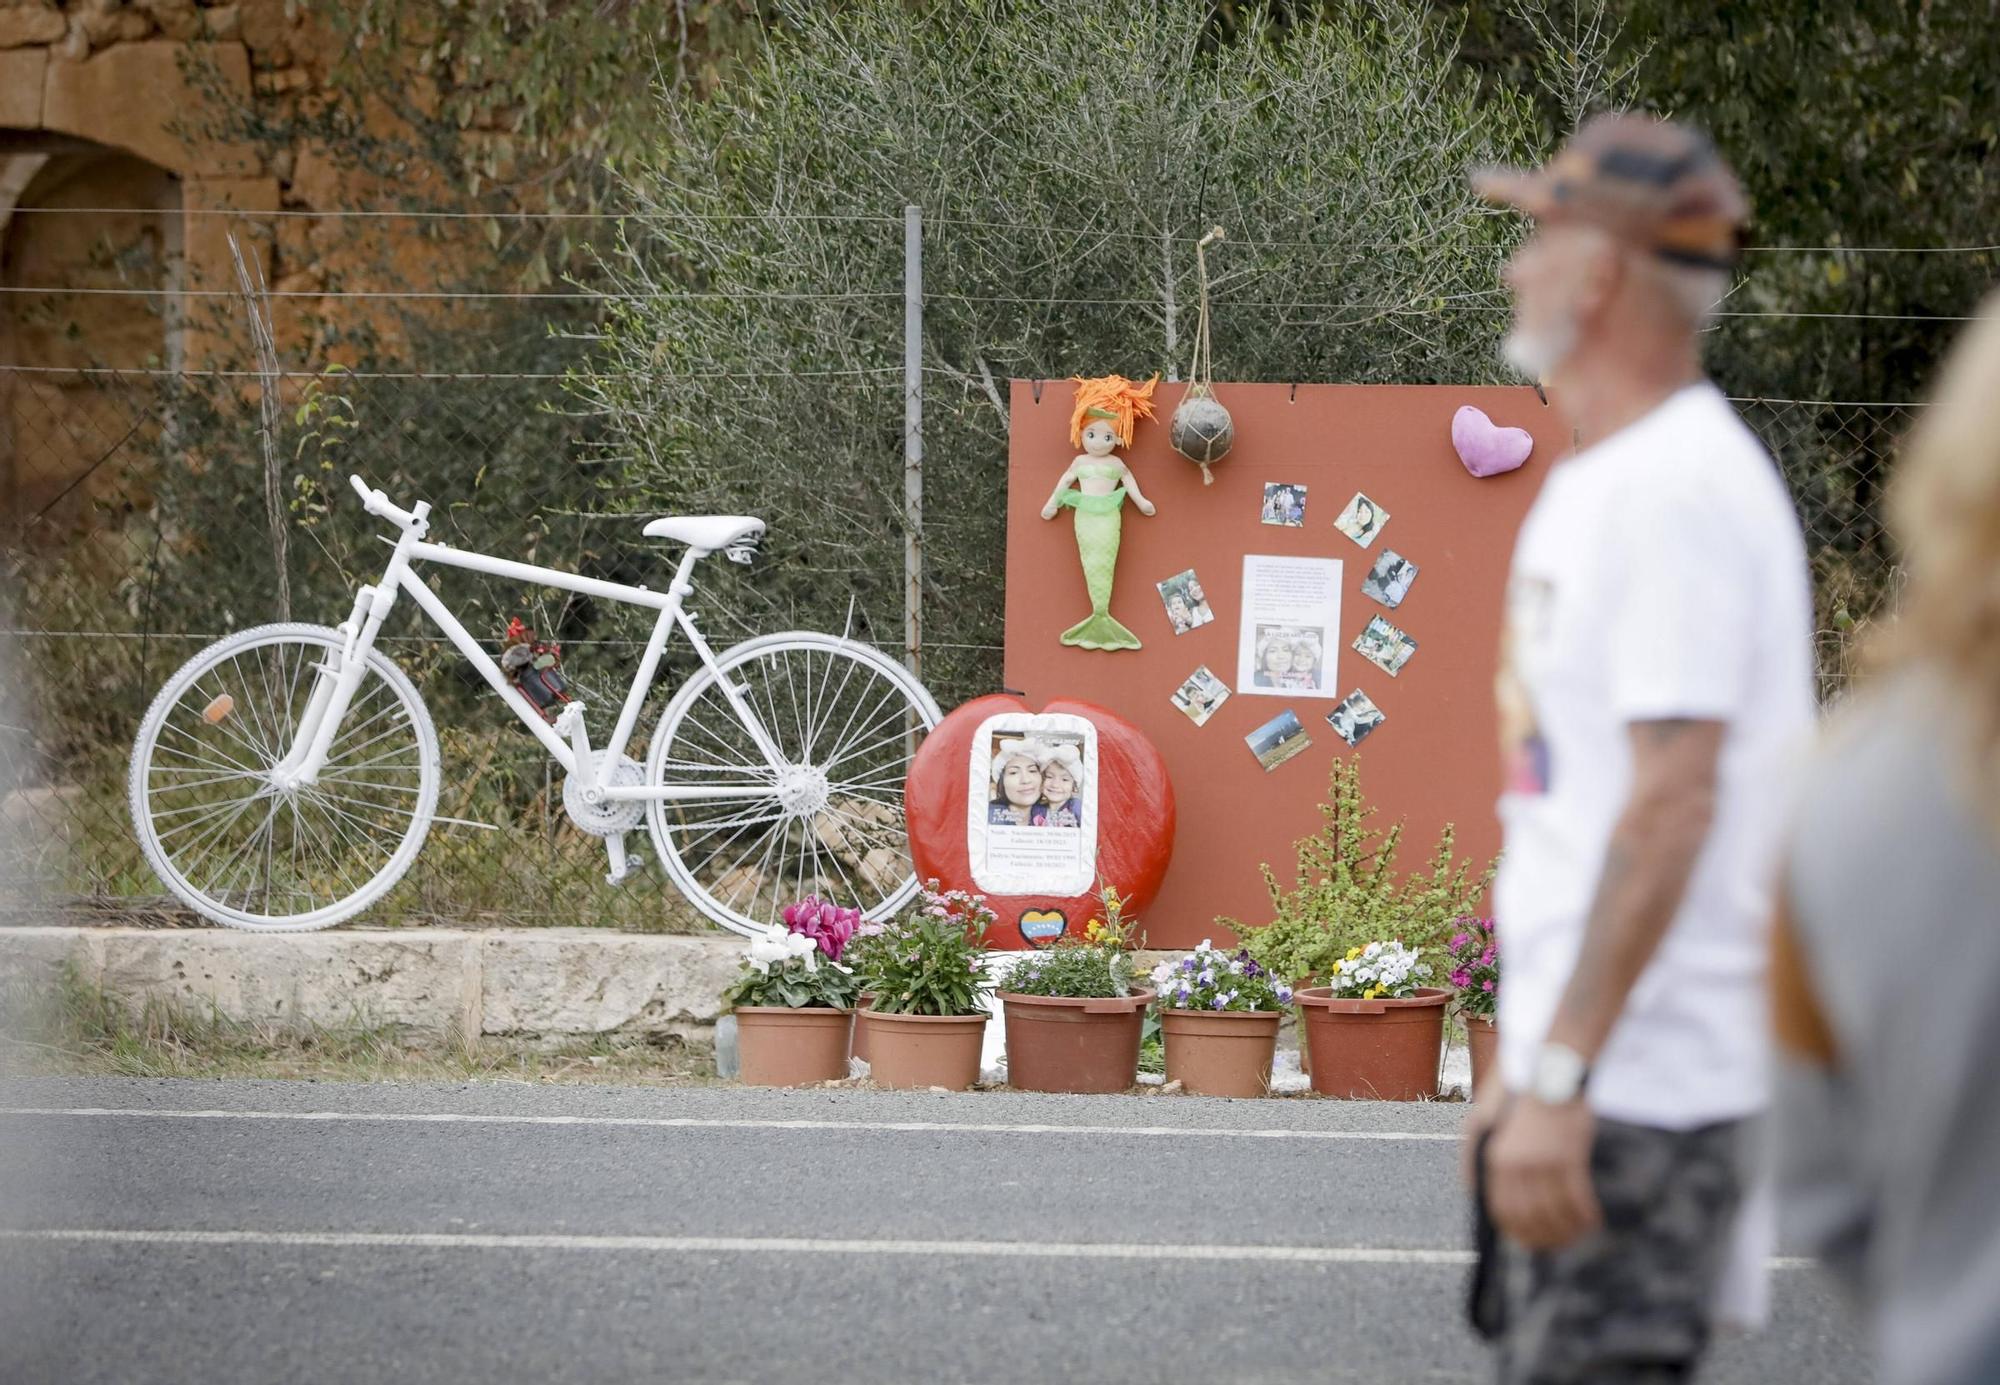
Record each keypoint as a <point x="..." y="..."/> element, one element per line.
<point x="147" y="520"/>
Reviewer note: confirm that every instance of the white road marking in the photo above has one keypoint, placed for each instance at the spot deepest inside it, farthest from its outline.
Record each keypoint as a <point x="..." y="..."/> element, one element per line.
<point x="705" y="1123"/>
<point x="778" y="1245"/>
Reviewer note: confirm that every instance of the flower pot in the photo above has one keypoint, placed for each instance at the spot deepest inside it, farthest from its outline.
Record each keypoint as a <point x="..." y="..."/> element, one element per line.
<point x="1385" y="1049"/>
<point x="860" y="1029"/>
<point x="1482" y="1037"/>
<point x="1063" y="1044"/>
<point x="781" y="1047"/>
<point x="1220" y="1052"/>
<point x="923" y="1050"/>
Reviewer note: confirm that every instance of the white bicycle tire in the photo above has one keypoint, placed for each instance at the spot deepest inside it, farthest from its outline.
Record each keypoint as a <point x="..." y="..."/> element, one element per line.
<point x="684" y="880"/>
<point x="348" y="905"/>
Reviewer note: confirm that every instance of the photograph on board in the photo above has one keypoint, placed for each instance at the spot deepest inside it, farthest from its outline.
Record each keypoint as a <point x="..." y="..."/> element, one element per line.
<point x="1186" y="603"/>
<point x="1362" y="520"/>
<point x="1384" y="646"/>
<point x="1389" y="580"/>
<point x="1354" y="718"/>
<point x="1200" y="695"/>
<point x="1284" y="504"/>
<point x="1288" y="628"/>
<point x="1291" y="658"/>
<point x="1037" y="782"/>
<point x="1278" y="740"/>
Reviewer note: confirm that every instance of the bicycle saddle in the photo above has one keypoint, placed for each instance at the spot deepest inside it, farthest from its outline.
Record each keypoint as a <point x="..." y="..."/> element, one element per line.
<point x="709" y="533"/>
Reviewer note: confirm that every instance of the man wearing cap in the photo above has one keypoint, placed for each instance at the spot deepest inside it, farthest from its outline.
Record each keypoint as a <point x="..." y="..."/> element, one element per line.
<point x="1656" y="674"/>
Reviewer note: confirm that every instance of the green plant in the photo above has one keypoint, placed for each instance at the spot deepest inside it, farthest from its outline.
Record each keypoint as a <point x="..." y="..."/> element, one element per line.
<point x="1211" y="979"/>
<point x="794" y="984"/>
<point x="1348" y="892"/>
<point x="1074" y="970"/>
<point x="927" y="961"/>
<point x="1474" y="953"/>
<point x="1378" y="970"/>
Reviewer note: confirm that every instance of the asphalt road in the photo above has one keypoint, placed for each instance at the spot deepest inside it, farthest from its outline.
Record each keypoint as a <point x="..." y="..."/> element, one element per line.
<point x="224" y="1232"/>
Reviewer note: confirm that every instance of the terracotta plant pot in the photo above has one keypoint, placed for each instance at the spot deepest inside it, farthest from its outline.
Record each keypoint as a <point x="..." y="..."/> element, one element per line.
<point x="860" y="1029"/>
<point x="1482" y="1037"/>
<point x="1220" y="1052"/>
<point x="781" y="1047"/>
<point x="1061" y="1044"/>
<point x="923" y="1050"/>
<point x="1384" y="1049"/>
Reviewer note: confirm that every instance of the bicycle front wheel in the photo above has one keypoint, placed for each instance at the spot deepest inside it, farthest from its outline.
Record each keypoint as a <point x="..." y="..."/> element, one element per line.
<point x="827" y="819"/>
<point x="228" y="836"/>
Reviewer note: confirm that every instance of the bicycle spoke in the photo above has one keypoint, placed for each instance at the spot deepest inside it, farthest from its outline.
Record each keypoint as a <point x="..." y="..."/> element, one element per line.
<point x="830" y="710"/>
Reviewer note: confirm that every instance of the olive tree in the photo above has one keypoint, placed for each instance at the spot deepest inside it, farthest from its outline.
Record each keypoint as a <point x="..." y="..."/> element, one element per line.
<point x="1065" y="158"/>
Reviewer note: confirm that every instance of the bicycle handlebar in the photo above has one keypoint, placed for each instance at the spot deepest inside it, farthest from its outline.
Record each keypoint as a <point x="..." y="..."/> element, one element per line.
<point x="376" y="503"/>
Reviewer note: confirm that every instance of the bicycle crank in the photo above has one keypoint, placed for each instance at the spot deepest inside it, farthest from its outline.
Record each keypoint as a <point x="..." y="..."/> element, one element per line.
<point x="609" y="818"/>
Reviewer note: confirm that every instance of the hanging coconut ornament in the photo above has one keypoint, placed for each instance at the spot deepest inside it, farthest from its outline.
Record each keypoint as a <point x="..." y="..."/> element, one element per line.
<point x="1201" y="430"/>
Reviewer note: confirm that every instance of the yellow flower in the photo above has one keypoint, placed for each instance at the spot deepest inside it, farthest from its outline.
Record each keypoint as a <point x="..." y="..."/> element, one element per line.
<point x="1352" y="953"/>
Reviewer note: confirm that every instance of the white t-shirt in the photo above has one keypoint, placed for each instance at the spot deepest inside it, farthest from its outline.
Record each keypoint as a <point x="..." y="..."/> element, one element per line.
<point x="1660" y="574"/>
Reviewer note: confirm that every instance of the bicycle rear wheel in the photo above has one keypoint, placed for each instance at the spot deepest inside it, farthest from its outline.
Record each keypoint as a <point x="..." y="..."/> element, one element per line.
<point x="234" y="844"/>
<point x="845" y="720"/>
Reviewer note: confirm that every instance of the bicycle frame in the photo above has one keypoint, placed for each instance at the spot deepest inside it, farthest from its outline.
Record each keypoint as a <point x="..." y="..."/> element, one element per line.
<point x="335" y="687"/>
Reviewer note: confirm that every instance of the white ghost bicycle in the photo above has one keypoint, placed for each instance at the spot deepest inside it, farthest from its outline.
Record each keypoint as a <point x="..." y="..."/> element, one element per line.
<point x="285" y="777"/>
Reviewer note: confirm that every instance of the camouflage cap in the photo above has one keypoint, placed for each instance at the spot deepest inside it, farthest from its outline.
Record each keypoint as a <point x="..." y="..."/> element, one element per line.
<point x="1651" y="182"/>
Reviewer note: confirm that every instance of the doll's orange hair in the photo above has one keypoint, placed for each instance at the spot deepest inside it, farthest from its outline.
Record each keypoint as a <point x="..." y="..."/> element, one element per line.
<point x="1112" y="397"/>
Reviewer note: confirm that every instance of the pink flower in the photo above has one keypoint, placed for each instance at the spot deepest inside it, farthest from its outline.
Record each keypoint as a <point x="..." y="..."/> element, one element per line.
<point x="1486" y="986"/>
<point x="1459" y="940"/>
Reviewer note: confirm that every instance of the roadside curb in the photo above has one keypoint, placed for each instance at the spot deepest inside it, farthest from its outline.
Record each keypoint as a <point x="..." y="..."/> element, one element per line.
<point x="533" y="984"/>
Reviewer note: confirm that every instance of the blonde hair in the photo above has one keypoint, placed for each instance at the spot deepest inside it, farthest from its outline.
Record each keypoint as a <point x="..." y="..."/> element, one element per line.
<point x="1944" y="510"/>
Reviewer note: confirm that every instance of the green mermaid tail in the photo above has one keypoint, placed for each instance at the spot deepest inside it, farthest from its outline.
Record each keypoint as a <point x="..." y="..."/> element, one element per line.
<point x="1098" y="523"/>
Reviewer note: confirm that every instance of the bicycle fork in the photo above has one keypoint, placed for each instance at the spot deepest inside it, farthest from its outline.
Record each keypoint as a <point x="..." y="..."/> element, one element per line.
<point x="334" y="688"/>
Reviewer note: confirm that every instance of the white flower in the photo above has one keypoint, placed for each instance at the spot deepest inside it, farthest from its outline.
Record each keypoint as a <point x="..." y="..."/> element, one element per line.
<point x="777" y="945"/>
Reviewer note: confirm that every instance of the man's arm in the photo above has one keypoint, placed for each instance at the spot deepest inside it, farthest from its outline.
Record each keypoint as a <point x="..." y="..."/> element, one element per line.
<point x="1652" y="853"/>
<point x="1538" y="1163"/>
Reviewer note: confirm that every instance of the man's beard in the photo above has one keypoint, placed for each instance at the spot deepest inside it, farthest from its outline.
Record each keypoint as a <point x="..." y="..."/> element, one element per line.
<point x="1535" y="354"/>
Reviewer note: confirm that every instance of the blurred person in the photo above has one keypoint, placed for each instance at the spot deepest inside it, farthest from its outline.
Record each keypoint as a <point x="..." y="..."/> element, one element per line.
<point x="1886" y="956"/>
<point x="1656" y="677"/>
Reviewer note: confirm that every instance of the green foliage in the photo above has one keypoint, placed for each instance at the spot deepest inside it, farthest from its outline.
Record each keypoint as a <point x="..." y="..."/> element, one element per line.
<point x="1349" y="893"/>
<point x="1074" y="970"/>
<point x="1066" y="158"/>
<point x="927" y="961"/>
<point x="793" y="986"/>
<point x="1210" y="978"/>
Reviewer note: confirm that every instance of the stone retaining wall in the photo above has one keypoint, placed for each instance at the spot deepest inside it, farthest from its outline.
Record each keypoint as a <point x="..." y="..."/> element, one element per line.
<point x="537" y="985"/>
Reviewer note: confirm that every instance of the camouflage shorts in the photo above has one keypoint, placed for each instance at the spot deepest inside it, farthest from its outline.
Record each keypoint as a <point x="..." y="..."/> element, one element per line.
<point x="1631" y="1304"/>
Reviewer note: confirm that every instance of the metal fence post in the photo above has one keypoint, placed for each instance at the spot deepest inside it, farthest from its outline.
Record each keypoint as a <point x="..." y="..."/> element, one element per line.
<point x="913" y="438"/>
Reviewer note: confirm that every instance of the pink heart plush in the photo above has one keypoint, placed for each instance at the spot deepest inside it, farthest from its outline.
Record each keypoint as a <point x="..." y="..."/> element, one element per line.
<point x="1486" y="448"/>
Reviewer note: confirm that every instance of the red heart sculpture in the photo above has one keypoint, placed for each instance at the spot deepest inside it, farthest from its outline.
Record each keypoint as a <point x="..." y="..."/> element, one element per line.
<point x="1135" y="810"/>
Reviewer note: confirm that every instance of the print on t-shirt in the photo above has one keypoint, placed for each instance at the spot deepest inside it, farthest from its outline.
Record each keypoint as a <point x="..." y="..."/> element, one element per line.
<point x="1524" y="752"/>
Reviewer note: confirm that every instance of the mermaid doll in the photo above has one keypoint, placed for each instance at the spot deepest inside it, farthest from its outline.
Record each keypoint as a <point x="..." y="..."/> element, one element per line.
<point x="1106" y="410"/>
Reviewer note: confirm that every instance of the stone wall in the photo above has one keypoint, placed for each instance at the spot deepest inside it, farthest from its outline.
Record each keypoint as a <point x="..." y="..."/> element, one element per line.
<point x="141" y="104"/>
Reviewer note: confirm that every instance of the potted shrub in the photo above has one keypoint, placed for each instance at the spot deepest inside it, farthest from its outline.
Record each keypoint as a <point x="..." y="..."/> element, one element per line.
<point x="1347" y="892"/>
<point x="1376" y="1030"/>
<point x="1073" y="1016"/>
<point x="927" y="1018"/>
<point x="1219" y="1015"/>
<point x="794" y="1001"/>
<point x="1475" y="975"/>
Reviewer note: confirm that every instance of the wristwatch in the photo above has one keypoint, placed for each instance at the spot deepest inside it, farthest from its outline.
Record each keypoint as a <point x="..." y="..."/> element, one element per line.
<point x="1558" y="1075"/>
